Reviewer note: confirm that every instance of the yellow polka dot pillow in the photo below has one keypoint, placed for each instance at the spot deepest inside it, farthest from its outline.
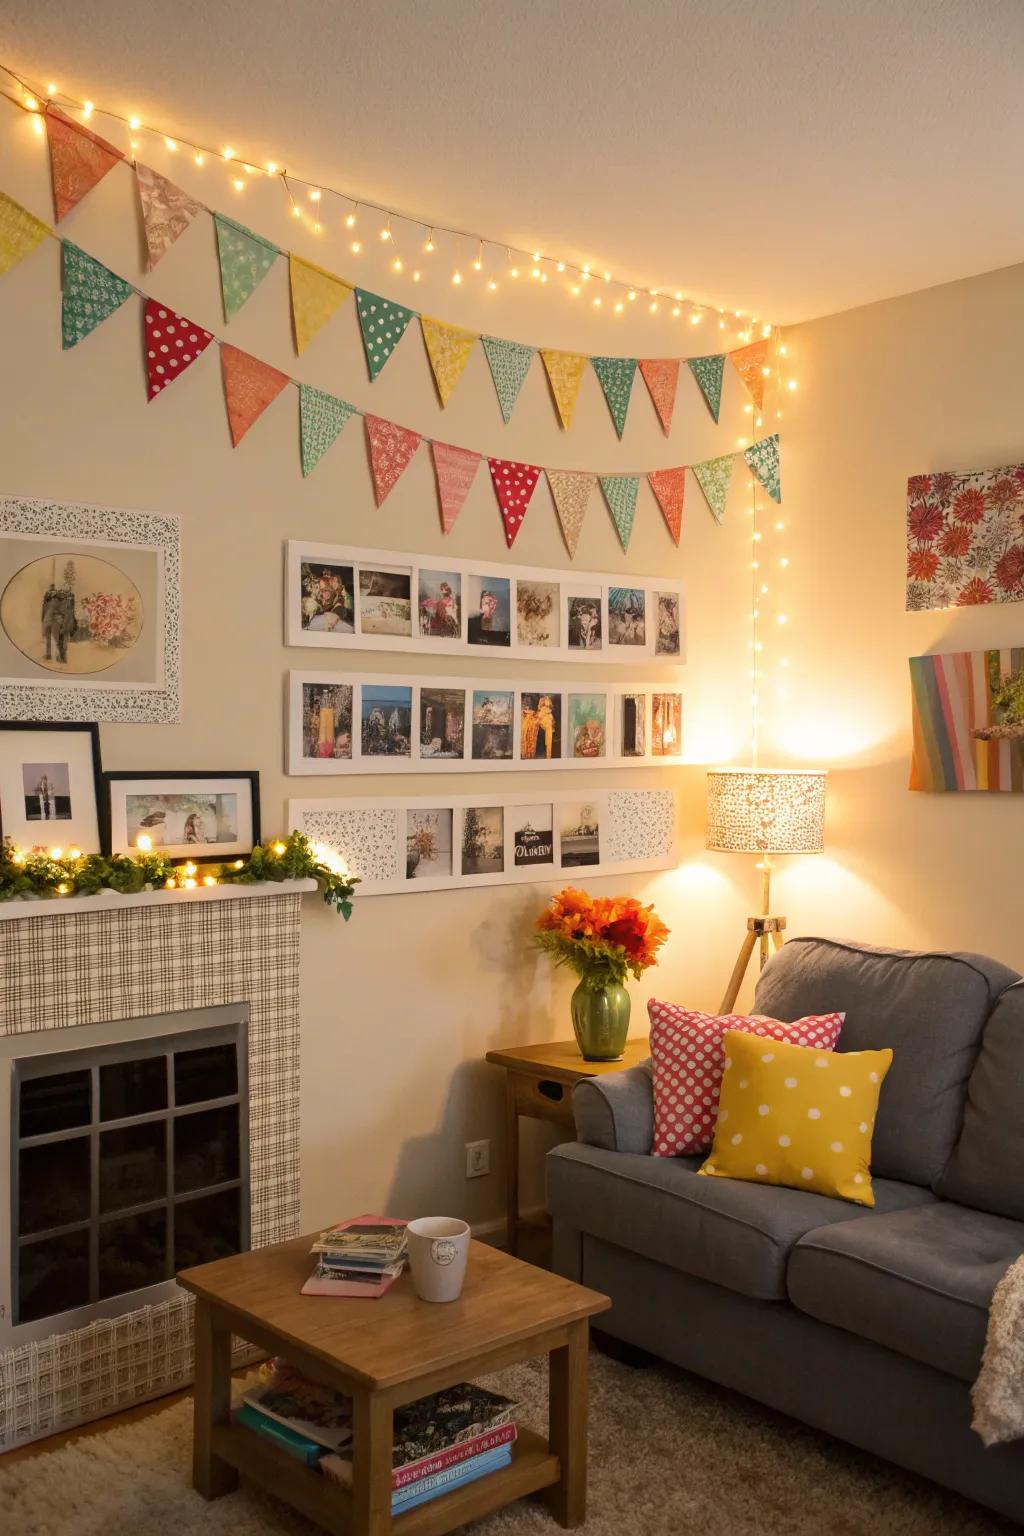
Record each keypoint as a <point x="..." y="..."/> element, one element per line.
<point x="798" y="1116"/>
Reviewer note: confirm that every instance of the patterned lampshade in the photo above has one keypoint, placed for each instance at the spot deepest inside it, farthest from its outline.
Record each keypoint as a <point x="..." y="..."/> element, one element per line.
<point x="766" y="810"/>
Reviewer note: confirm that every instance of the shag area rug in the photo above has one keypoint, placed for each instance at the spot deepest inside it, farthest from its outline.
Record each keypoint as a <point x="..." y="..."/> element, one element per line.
<point x="668" y="1453"/>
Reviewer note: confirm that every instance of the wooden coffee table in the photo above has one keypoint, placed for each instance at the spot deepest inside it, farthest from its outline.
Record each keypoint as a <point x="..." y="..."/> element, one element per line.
<point x="384" y="1353"/>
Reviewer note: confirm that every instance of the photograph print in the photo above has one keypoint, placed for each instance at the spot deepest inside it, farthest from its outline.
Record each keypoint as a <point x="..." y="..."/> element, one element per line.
<point x="667" y="725"/>
<point x="440" y="604"/>
<point x="327" y="721"/>
<point x="428" y="844"/>
<point x="587" y="722"/>
<point x="327" y="604"/>
<point x="579" y="824"/>
<point x="201" y="816"/>
<point x="385" y="602"/>
<point x="627" y="616"/>
<point x="47" y="791"/>
<point x="666" y="640"/>
<point x="533" y="839"/>
<point x="537" y="612"/>
<point x="385" y="720"/>
<point x="493" y="718"/>
<point x="487" y="607"/>
<point x="442" y="722"/>
<point x="584" y="615"/>
<point x="540" y="726"/>
<point x="50" y="789"/>
<point x="483" y="840"/>
<point x="634" y="725"/>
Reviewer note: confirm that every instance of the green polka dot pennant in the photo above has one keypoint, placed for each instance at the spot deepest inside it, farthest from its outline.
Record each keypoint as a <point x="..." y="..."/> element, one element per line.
<point x="321" y="418"/>
<point x="620" y="494"/>
<point x="763" y="459"/>
<point x="383" y="324"/>
<point x="509" y="362"/>
<point x="245" y="260"/>
<point x="708" y="373"/>
<point x="91" y="293"/>
<point x="714" y="477"/>
<point x="616" y="376"/>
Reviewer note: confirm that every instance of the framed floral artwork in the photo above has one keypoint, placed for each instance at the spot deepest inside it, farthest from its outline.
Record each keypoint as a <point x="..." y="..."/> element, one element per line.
<point x="965" y="538"/>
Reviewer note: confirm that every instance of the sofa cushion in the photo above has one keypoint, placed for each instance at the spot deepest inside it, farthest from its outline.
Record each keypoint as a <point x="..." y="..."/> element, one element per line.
<point x="737" y="1235"/>
<point x="929" y="1007"/>
<point x="917" y="1281"/>
<point x="987" y="1167"/>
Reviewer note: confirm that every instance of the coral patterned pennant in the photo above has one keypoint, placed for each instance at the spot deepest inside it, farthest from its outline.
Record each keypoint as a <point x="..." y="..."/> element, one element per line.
<point x="448" y="347"/>
<point x="391" y="448"/>
<point x="620" y="494"/>
<point x="172" y="345"/>
<point x="763" y="459"/>
<point x="708" y="372"/>
<point x="250" y="385"/>
<point x="79" y="159"/>
<point x="455" y="469"/>
<point x="661" y="375"/>
<point x="514" y="484"/>
<point x="565" y="370"/>
<point x="20" y="232"/>
<point x="570" y="491"/>
<point x="616" y="375"/>
<point x="714" y="477"/>
<point x="509" y="362"/>
<point x="167" y="211"/>
<point x="316" y="294"/>
<point x="90" y="293"/>
<point x="321" y="418"/>
<point x="669" y="487"/>
<point x="383" y="325"/>
<point x="751" y="363"/>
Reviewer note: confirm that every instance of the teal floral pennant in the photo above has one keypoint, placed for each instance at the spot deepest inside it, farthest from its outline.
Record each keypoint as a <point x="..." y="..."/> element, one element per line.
<point x="509" y="362"/>
<point x="321" y="418"/>
<point x="763" y="459"/>
<point x="714" y="477"/>
<point x="708" y="373"/>
<point x="616" y="376"/>
<point x="245" y="259"/>
<point x="91" y="293"/>
<point x="383" y="324"/>
<point x="620" y="494"/>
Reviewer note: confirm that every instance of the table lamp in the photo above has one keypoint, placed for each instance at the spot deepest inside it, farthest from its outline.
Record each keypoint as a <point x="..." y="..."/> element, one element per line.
<point x="764" y="811"/>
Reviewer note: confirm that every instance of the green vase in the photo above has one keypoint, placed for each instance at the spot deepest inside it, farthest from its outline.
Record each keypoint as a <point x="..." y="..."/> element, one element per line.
<point x="600" y="1021"/>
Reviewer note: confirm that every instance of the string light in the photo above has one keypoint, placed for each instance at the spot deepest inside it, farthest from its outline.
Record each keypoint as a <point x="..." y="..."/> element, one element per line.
<point x="396" y="265"/>
<point x="228" y="152"/>
<point x="428" y="244"/>
<point x="87" y="109"/>
<point x="239" y="184"/>
<point x="416" y="276"/>
<point x="315" y="194"/>
<point x="456" y="277"/>
<point x="271" y="167"/>
<point x="199" y="157"/>
<point x="279" y="849"/>
<point x="479" y="262"/>
<point x="350" y="220"/>
<point x="356" y="247"/>
<point x="144" y="843"/>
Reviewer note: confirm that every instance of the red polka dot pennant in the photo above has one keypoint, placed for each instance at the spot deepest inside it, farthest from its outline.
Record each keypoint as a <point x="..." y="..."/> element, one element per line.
<point x="172" y="345"/>
<point x="514" y="484"/>
<point x="249" y="387"/>
<point x="391" y="448"/>
<point x="669" y="487"/>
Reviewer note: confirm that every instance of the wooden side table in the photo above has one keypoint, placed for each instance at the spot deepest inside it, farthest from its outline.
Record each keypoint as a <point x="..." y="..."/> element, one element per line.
<point x="538" y="1082"/>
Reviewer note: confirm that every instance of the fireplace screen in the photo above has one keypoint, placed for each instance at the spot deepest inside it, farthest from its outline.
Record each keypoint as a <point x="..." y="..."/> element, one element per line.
<point x="128" y="1161"/>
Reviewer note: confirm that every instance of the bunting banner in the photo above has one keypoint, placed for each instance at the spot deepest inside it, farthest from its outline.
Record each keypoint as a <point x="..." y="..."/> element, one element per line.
<point x="620" y="493"/>
<point x="20" y="232"/>
<point x="249" y="387"/>
<point x="316" y="295"/>
<point x="391" y="448"/>
<point x="669" y="487"/>
<point x="383" y="324"/>
<point x="565" y="371"/>
<point x="661" y="375"/>
<point x="172" y="345"/>
<point x="167" y="211"/>
<point x="570" y="491"/>
<point x="714" y="477"/>
<point x="751" y="363"/>
<point x="514" y="485"/>
<point x="708" y="372"/>
<point x="616" y="375"/>
<point x="509" y="362"/>
<point x="321" y="418"/>
<point x="90" y="293"/>
<point x="762" y="458"/>
<point x="455" y="469"/>
<point x="79" y="159"/>
<point x="245" y="259"/>
<point x="448" y="347"/>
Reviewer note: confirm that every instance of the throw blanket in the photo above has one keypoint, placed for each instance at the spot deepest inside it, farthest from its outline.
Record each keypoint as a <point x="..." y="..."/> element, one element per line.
<point x="998" y="1393"/>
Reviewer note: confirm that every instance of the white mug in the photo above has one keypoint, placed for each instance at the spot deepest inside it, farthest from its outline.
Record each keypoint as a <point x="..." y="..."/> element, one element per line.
<point x="438" y="1250"/>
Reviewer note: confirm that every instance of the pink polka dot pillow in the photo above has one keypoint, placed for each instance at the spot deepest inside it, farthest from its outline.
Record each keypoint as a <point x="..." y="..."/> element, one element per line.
<point x="688" y="1059"/>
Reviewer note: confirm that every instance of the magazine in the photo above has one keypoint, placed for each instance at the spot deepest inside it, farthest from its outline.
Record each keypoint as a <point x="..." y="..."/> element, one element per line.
<point x="307" y="1408"/>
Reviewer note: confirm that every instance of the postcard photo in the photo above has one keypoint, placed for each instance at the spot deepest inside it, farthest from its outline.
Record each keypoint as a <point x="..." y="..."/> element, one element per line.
<point x="194" y="815"/>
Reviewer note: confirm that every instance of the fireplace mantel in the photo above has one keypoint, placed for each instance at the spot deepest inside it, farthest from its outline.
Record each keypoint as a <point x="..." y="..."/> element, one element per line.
<point x="112" y="901"/>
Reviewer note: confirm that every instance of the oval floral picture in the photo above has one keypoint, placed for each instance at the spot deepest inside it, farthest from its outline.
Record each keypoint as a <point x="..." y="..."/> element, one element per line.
<point x="72" y="613"/>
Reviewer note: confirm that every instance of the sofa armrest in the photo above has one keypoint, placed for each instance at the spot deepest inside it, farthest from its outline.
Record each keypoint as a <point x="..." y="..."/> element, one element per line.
<point x="616" y="1112"/>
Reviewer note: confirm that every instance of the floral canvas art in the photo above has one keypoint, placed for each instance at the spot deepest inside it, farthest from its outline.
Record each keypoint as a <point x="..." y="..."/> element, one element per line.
<point x="965" y="538"/>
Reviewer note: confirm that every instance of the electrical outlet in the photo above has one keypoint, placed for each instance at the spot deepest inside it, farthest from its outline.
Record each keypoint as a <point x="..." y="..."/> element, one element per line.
<point x="478" y="1159"/>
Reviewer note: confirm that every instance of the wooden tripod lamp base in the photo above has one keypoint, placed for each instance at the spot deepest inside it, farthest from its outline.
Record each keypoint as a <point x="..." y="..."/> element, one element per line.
<point x="767" y="930"/>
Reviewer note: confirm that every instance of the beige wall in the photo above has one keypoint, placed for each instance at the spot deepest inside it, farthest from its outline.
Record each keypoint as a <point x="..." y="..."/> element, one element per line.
<point x="400" y="1005"/>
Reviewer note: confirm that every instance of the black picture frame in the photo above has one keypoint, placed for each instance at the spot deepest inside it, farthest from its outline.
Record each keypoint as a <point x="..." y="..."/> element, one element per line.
<point x="249" y="776"/>
<point x="99" y="794"/>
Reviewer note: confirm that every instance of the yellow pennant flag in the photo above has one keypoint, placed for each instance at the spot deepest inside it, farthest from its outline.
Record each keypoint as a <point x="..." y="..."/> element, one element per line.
<point x="448" y="347"/>
<point x="316" y="294"/>
<point x="20" y="232"/>
<point x="565" y="370"/>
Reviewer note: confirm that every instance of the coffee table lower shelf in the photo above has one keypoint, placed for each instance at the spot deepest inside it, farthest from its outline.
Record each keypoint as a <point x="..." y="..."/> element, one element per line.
<point x="534" y="1466"/>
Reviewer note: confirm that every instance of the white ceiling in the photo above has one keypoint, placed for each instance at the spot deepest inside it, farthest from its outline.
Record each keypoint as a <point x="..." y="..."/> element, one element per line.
<point x="793" y="157"/>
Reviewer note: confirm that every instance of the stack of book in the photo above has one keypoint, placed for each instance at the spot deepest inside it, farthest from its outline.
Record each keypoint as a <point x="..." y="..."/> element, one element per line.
<point x="360" y="1257"/>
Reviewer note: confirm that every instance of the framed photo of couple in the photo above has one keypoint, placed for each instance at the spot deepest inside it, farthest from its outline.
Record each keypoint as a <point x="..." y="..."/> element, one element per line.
<point x="338" y="597"/>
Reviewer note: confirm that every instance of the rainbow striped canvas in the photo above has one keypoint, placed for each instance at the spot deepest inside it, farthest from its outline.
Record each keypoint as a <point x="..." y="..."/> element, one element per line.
<point x="952" y="698"/>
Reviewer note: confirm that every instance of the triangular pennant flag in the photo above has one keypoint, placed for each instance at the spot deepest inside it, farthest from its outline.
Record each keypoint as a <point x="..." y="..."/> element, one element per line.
<point x="616" y="375"/>
<point x="391" y="448"/>
<point x="708" y="373"/>
<point x="250" y="385"/>
<point x="172" y="345"/>
<point x="316" y="294"/>
<point x="167" y="211"/>
<point x="565" y="370"/>
<point x="245" y="259"/>
<point x="669" y="487"/>
<point x="509" y="362"/>
<point x="321" y="418"/>
<point x="383" y="324"/>
<point x="751" y="364"/>
<point x="763" y="458"/>
<point x="620" y="494"/>
<point x="20" y="232"/>
<point x="448" y="347"/>
<point x="714" y="477"/>
<point x="455" y="469"/>
<point x="661" y="375"/>
<point x="79" y="159"/>
<point x="91" y="292"/>
<point x="514" y="484"/>
<point x="570" y="492"/>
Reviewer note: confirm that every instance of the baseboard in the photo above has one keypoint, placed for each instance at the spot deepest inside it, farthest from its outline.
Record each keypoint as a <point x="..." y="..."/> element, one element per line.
<point x="495" y="1232"/>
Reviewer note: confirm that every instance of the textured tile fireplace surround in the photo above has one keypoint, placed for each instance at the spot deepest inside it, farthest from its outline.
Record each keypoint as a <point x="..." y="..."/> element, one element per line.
<point x="124" y="958"/>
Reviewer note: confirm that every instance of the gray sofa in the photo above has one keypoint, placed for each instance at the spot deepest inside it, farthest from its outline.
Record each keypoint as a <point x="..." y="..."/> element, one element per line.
<point x="867" y="1324"/>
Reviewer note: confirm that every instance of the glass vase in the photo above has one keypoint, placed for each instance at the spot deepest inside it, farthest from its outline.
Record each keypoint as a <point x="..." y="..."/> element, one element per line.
<point x="600" y="1021"/>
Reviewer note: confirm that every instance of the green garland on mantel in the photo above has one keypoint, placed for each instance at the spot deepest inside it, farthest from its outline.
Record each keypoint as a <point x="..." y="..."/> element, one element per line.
<point x="59" y="874"/>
